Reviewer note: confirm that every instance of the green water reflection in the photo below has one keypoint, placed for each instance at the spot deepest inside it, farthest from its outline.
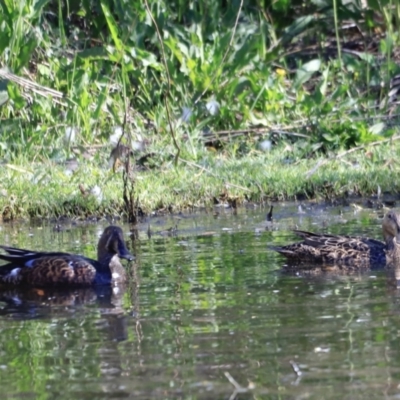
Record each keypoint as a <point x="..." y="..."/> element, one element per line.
<point x="207" y="301"/>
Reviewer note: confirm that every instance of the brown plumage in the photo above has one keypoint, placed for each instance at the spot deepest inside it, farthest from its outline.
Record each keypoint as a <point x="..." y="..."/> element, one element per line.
<point x="347" y="250"/>
<point x="33" y="268"/>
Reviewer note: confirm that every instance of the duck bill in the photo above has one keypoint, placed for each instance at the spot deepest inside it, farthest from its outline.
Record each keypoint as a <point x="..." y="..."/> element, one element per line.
<point x="124" y="253"/>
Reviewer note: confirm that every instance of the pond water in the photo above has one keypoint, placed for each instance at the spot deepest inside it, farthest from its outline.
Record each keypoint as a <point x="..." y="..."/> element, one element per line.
<point x="207" y="314"/>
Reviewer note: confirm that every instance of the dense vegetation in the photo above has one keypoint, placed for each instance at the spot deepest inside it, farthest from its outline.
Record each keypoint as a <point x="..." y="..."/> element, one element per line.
<point x="192" y="87"/>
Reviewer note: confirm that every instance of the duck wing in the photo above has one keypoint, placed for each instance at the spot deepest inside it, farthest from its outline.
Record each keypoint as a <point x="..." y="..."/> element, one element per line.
<point x="340" y="241"/>
<point x="22" y="256"/>
<point x="48" y="268"/>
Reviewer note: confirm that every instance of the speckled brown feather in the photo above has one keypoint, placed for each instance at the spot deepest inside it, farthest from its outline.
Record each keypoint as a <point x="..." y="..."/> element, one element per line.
<point x="47" y="269"/>
<point x="58" y="270"/>
<point x="331" y="250"/>
<point x="347" y="250"/>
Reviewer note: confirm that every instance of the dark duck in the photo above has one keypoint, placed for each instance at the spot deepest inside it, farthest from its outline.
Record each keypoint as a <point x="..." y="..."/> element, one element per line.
<point x="347" y="250"/>
<point x="34" y="268"/>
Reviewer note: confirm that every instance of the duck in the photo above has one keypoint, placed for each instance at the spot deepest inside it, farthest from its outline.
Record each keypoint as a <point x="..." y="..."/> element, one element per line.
<point x="348" y="250"/>
<point x="36" y="268"/>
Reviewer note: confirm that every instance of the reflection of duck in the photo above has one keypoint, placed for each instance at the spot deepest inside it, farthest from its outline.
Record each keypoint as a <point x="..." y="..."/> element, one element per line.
<point x="33" y="268"/>
<point x="348" y="250"/>
<point x="29" y="302"/>
<point x="30" y="298"/>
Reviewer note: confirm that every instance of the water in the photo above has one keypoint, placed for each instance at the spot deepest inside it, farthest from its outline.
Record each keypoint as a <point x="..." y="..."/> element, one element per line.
<point x="205" y="310"/>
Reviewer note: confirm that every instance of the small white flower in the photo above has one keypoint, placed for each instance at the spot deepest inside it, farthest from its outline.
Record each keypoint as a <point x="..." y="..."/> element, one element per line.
<point x="265" y="145"/>
<point x="70" y="135"/>
<point x="97" y="193"/>
<point x="213" y="107"/>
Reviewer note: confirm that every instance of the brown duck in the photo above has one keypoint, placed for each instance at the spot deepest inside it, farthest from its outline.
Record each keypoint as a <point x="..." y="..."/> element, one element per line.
<point x="32" y="268"/>
<point x="347" y="250"/>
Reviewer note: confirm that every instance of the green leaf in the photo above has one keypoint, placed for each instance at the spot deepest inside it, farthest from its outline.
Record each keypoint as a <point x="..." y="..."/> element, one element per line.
<point x="302" y="77"/>
<point x="312" y="66"/>
<point x="377" y="128"/>
<point x="38" y="7"/>
<point x="324" y="83"/>
<point x="94" y="53"/>
<point x="25" y="53"/>
<point x="15" y="96"/>
<point x="112" y="26"/>
<point x="8" y="7"/>
<point x="147" y="58"/>
<point x="304" y="73"/>
<point x="281" y="5"/>
<point x="44" y="70"/>
<point x="298" y="26"/>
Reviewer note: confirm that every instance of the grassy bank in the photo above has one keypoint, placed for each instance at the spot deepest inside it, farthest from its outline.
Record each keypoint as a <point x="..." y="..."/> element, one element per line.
<point x="46" y="189"/>
<point x="292" y="78"/>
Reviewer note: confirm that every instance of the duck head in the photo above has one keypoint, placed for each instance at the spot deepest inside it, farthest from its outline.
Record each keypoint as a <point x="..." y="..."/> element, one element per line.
<point x="112" y="243"/>
<point x="391" y="228"/>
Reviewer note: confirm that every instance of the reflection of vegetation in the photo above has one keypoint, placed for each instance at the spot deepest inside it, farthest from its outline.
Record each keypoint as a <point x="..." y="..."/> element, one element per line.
<point x="35" y="360"/>
<point x="200" y="306"/>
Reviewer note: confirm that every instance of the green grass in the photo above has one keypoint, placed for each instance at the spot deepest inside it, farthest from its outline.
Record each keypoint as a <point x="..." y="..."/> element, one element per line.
<point x="45" y="190"/>
<point x="253" y="67"/>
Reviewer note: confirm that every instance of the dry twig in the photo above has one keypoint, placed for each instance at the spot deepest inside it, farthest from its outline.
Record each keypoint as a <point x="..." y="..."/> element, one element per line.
<point x="6" y="74"/>
<point x="238" y="388"/>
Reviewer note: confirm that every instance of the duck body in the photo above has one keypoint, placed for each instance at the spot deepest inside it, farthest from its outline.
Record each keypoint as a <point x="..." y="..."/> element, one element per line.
<point x="348" y="250"/>
<point x="33" y="268"/>
<point x="331" y="249"/>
